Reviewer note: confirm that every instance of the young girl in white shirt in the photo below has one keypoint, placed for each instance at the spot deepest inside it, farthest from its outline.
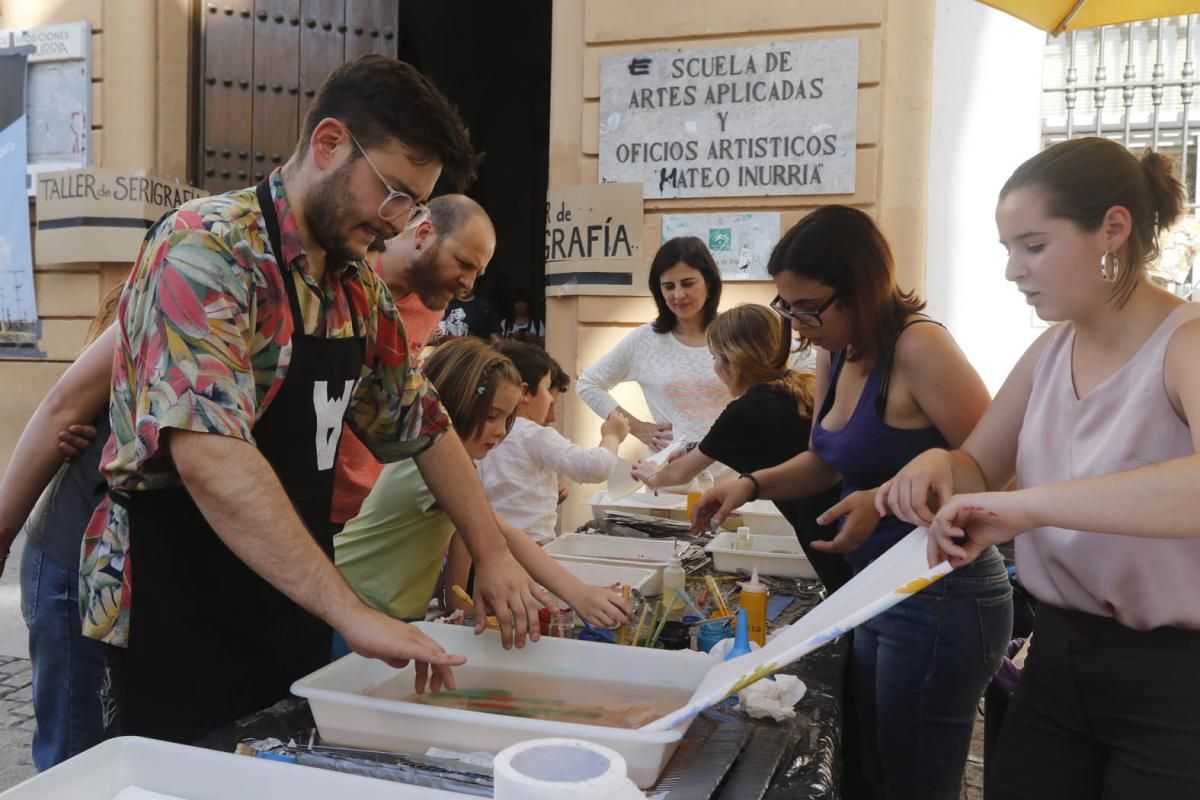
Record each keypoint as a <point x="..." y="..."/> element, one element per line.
<point x="520" y="475"/>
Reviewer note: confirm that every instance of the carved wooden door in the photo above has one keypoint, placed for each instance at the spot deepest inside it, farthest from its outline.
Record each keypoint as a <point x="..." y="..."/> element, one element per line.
<point x="262" y="62"/>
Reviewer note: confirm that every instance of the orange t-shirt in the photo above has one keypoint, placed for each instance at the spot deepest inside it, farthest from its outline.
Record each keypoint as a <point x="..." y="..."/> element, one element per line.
<point x="357" y="470"/>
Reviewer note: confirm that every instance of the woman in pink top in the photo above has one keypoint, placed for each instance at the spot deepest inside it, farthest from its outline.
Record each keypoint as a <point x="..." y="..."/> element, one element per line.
<point x="1097" y="422"/>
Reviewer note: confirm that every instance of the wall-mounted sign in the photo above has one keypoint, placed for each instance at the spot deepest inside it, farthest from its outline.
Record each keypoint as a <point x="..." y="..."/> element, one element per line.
<point x="100" y="214"/>
<point x="740" y="243"/>
<point x="594" y="240"/>
<point x="20" y="327"/>
<point x="770" y="119"/>
<point x="59" y="99"/>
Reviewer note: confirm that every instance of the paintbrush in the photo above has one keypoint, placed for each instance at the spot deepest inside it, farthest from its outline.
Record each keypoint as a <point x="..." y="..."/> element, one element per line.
<point x="623" y="632"/>
<point x="637" y="632"/>
<point x="716" y="593"/>
<point x="461" y="594"/>
<point x="662" y="623"/>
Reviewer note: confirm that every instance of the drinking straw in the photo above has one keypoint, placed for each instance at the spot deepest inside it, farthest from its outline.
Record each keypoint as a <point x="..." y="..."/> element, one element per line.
<point x="716" y="592"/>
<point x="687" y="601"/>
<point x="637" y="632"/>
<point x="663" y="622"/>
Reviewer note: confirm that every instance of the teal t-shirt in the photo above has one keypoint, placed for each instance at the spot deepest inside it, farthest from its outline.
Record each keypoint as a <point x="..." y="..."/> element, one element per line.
<point x="392" y="552"/>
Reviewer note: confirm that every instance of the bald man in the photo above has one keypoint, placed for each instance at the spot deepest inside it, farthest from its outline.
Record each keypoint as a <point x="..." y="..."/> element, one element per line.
<point x="425" y="269"/>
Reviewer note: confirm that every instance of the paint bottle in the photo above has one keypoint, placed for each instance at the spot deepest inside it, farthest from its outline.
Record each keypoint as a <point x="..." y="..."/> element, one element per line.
<point x="741" y="644"/>
<point x="754" y="601"/>
<point x="742" y="540"/>
<point x="696" y="489"/>
<point x="673" y="576"/>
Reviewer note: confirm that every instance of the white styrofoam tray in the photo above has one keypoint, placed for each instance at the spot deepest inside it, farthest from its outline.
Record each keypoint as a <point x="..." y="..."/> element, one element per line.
<point x="780" y="556"/>
<point x="197" y="774"/>
<point x="347" y="716"/>
<point x="607" y="574"/>
<point x="625" y="551"/>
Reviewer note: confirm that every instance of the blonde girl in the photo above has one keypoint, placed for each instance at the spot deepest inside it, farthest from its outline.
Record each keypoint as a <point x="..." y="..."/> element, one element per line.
<point x="392" y="552"/>
<point x="767" y="423"/>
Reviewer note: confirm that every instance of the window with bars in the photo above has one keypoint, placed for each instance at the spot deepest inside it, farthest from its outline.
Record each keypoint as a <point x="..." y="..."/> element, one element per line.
<point x="1135" y="84"/>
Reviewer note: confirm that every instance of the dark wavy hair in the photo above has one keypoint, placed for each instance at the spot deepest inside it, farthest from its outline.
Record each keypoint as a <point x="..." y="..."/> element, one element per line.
<point x="688" y="250"/>
<point x="380" y="98"/>
<point x="842" y="247"/>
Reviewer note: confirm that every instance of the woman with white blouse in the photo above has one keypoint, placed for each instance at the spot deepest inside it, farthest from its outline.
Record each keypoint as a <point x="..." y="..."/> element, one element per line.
<point x="668" y="358"/>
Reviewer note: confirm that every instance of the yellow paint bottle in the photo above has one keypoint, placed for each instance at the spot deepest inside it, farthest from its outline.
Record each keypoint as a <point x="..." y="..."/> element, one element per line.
<point x="754" y="600"/>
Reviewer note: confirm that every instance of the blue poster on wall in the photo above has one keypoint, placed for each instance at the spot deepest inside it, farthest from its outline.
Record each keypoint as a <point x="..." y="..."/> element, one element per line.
<point x="19" y="324"/>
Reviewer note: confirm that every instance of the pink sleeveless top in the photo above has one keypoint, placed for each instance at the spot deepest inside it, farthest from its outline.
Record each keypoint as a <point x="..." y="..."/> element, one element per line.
<point x="1124" y="423"/>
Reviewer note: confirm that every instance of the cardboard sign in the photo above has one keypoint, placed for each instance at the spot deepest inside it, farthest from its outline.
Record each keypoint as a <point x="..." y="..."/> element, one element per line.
<point x="594" y="240"/>
<point x="96" y="214"/>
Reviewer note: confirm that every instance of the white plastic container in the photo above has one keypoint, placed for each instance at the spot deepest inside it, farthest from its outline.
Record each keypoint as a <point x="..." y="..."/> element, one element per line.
<point x="780" y="556"/>
<point x="761" y="515"/>
<point x="608" y="574"/>
<point x="622" y="551"/>
<point x="347" y="716"/>
<point x="197" y="774"/>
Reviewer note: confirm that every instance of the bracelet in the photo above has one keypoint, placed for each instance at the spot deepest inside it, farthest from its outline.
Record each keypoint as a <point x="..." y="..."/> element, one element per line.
<point x="753" y="480"/>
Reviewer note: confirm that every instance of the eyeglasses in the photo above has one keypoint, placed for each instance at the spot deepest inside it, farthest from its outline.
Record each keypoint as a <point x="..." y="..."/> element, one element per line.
<point x="397" y="204"/>
<point x="809" y="319"/>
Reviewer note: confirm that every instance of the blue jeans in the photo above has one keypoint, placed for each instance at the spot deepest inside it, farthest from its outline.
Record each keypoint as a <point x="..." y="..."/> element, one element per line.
<point x="919" y="670"/>
<point x="68" y="668"/>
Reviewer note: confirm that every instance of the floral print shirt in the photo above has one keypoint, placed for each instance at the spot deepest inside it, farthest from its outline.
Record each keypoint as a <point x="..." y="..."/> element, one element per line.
<point x="205" y="343"/>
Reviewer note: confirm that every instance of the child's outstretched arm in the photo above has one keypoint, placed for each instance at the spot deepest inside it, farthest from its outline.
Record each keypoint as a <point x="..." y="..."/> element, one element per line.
<point x="676" y="473"/>
<point x="581" y="464"/>
<point x="598" y="605"/>
<point x="613" y="431"/>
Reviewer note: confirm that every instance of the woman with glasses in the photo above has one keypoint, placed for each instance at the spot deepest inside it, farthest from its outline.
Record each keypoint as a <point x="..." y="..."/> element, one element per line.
<point x="668" y="358"/>
<point x="891" y="384"/>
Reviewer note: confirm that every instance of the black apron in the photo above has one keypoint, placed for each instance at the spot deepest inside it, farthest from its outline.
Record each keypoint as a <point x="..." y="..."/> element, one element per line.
<point x="209" y="640"/>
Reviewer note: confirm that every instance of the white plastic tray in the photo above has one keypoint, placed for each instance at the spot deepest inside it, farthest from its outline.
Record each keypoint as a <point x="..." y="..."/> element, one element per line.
<point x="620" y="551"/>
<point x="608" y="574"/>
<point x="346" y="716"/>
<point x="761" y="515"/>
<point x="197" y="774"/>
<point x="780" y="556"/>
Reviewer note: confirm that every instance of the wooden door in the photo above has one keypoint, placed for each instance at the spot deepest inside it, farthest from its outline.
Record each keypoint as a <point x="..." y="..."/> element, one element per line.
<point x="262" y="62"/>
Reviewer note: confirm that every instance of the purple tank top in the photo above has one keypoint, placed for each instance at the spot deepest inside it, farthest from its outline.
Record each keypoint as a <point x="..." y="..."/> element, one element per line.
<point x="867" y="452"/>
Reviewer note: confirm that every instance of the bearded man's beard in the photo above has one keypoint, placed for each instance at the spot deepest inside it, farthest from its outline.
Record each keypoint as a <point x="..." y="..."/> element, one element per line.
<point x="329" y="214"/>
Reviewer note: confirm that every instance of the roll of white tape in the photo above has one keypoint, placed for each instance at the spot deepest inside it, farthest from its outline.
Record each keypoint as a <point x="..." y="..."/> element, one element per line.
<point x="562" y="769"/>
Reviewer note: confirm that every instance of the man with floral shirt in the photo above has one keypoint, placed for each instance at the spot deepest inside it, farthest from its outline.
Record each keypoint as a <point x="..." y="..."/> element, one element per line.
<point x="250" y="328"/>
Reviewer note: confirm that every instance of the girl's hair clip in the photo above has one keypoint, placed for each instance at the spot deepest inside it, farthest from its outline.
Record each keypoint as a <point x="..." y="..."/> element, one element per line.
<point x="481" y="390"/>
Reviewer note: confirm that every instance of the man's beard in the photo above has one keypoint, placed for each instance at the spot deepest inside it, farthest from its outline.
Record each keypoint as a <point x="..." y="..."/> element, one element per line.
<point x="422" y="277"/>
<point x="328" y="212"/>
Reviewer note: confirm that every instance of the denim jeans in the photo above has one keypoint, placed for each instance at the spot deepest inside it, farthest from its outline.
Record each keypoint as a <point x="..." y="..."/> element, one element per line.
<point x="919" y="670"/>
<point x="67" y="666"/>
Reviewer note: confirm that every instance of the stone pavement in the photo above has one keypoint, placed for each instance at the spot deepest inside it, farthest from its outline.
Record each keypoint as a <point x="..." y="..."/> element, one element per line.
<point x="16" y="682"/>
<point x="16" y="721"/>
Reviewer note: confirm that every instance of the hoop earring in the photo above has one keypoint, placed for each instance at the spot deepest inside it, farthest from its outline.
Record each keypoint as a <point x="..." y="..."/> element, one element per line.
<point x="1109" y="258"/>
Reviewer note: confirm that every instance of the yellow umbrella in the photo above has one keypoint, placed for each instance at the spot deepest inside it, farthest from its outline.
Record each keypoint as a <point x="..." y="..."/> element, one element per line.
<point x="1056" y="16"/>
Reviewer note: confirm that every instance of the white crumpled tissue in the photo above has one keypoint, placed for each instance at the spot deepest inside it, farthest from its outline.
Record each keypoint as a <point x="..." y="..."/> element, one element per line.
<point x="773" y="697"/>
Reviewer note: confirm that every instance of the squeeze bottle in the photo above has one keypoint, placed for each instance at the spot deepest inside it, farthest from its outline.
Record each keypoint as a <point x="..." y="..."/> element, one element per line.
<point x="754" y="601"/>
<point x="673" y="576"/>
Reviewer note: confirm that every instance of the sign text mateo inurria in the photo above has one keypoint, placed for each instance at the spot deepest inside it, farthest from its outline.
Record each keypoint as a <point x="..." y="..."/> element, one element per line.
<point x="758" y="120"/>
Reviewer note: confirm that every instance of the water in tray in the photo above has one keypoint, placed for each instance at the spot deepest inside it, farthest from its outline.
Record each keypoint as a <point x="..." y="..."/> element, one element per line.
<point x="612" y="704"/>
